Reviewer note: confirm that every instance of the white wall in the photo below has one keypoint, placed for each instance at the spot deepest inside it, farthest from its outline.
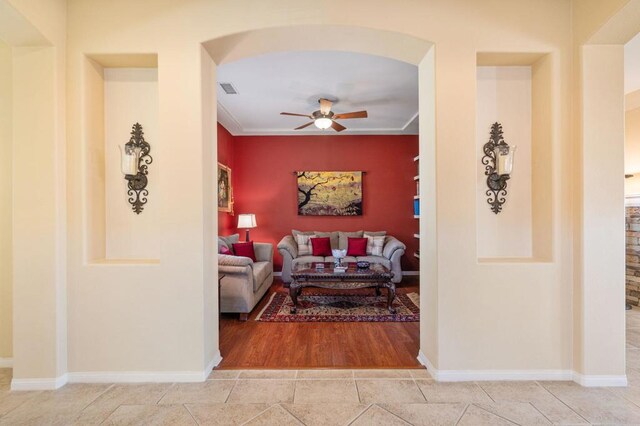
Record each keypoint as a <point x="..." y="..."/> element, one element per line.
<point x="6" y="205"/>
<point x="504" y="96"/>
<point x="130" y="96"/>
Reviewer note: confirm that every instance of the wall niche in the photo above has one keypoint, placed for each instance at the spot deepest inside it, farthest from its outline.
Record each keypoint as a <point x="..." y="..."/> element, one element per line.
<point x="119" y="90"/>
<point x="515" y="89"/>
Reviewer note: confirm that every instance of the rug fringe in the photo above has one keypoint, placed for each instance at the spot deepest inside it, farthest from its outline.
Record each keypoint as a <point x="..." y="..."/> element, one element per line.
<point x="265" y="307"/>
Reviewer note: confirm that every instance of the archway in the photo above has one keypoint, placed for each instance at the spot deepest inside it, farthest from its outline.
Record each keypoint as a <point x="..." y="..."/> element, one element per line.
<point x="363" y="40"/>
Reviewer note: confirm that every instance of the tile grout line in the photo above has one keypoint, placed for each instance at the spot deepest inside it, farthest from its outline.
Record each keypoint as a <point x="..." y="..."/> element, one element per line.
<point x="538" y="410"/>
<point x="485" y="392"/>
<point x="190" y="413"/>
<point x="462" y="415"/>
<point x="291" y="414"/>
<point x="495" y="413"/>
<point x="367" y="408"/>
<point x="563" y="403"/>
<point x="258" y="415"/>
<point x="231" y="391"/>
<point x="394" y="414"/>
<point x="171" y="386"/>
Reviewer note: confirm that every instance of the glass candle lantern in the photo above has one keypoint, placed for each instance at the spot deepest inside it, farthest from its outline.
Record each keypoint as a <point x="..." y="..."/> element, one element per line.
<point x="130" y="159"/>
<point x="504" y="159"/>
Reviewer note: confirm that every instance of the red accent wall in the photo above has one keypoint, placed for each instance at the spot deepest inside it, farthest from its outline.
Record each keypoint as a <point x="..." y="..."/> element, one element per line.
<point x="226" y="222"/>
<point x="264" y="184"/>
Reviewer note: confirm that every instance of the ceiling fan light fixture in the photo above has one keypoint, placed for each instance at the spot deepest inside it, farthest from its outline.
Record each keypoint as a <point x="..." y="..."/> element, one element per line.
<point x="322" y="123"/>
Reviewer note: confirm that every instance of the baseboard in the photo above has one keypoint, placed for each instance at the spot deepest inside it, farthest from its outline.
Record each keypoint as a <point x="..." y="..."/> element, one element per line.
<point x="39" y="384"/>
<point x="492" y="375"/>
<point x="6" y="362"/>
<point x="600" y="380"/>
<point x="145" y="376"/>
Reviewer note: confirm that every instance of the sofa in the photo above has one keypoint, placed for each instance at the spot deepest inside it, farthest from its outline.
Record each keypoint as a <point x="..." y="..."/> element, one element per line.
<point x="245" y="281"/>
<point x="391" y="253"/>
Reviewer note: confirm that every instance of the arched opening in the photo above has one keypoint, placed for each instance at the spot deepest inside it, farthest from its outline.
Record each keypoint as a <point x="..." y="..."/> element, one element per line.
<point x="396" y="46"/>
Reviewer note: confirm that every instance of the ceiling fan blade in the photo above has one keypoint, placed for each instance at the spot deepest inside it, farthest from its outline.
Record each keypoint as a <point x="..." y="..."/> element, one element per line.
<point x="337" y="126"/>
<point x="304" y="125"/>
<point x="325" y="106"/>
<point x="357" y="114"/>
<point x="294" y="114"/>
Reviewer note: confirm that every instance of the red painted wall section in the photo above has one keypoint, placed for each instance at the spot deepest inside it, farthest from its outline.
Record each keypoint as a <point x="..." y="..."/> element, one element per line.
<point x="264" y="184"/>
<point x="226" y="222"/>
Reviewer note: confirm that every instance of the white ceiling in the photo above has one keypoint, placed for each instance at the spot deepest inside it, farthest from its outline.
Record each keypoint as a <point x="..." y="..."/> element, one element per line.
<point x="294" y="81"/>
<point x="632" y="65"/>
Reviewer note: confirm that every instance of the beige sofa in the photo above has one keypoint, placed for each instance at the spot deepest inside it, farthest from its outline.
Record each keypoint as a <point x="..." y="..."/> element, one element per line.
<point x="392" y="252"/>
<point x="245" y="281"/>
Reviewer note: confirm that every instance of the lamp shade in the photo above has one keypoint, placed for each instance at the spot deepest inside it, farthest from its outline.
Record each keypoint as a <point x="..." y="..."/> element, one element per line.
<point x="247" y="220"/>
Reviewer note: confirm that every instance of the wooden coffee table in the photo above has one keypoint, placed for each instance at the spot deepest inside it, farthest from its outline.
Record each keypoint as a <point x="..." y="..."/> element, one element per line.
<point x="308" y="275"/>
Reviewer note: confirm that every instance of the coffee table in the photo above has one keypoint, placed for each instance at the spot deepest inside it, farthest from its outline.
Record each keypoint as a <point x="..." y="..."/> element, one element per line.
<point x="308" y="275"/>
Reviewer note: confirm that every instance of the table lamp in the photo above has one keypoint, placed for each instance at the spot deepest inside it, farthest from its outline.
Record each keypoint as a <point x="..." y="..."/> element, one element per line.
<point x="247" y="221"/>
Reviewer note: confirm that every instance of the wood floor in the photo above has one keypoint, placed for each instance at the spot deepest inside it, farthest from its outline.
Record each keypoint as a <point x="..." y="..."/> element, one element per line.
<point x="252" y="344"/>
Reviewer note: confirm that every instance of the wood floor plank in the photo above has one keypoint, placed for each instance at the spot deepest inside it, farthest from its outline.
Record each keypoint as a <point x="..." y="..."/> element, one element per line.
<point x="252" y="344"/>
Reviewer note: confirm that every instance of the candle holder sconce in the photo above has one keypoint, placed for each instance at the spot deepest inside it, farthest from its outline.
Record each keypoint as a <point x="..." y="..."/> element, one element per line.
<point x="498" y="165"/>
<point x="135" y="160"/>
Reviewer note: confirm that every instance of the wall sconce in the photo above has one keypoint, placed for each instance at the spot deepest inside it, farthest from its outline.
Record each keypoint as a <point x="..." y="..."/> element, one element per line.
<point x="247" y="221"/>
<point x="498" y="165"/>
<point x="134" y="162"/>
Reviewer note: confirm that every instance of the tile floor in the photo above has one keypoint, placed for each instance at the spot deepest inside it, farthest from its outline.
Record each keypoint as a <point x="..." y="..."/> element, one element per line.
<point x="331" y="397"/>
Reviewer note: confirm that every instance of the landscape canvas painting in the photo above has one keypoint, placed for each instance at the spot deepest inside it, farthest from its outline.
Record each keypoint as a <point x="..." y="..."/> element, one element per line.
<point x="329" y="193"/>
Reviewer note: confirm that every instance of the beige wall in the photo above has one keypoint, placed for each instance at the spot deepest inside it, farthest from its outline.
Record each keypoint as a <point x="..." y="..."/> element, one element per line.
<point x="6" y="258"/>
<point x="483" y="321"/>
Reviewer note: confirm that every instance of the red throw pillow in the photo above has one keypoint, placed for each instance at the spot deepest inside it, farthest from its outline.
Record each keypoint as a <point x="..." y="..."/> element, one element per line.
<point x="321" y="246"/>
<point x="245" y="250"/>
<point x="357" y="246"/>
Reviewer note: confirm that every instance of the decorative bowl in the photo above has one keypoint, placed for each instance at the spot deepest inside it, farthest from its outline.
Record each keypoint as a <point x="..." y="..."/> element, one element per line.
<point x="363" y="264"/>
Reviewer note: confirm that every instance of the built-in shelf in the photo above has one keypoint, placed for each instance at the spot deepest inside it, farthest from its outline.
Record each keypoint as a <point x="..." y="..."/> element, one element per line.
<point x="416" y="255"/>
<point x="416" y="235"/>
<point x="416" y="197"/>
<point x="416" y="178"/>
<point x="416" y="158"/>
<point x="415" y="216"/>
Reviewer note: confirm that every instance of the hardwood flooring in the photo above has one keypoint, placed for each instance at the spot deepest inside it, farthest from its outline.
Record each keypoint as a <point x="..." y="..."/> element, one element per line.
<point x="252" y="344"/>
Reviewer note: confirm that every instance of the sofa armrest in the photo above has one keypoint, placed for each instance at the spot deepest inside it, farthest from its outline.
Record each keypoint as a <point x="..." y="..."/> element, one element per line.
<point x="264" y="252"/>
<point x="235" y="270"/>
<point x="229" y="260"/>
<point x="288" y="244"/>
<point x="392" y="244"/>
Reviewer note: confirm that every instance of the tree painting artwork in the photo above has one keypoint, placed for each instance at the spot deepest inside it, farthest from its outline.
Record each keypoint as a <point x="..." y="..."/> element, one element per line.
<point x="225" y="191"/>
<point x="329" y="193"/>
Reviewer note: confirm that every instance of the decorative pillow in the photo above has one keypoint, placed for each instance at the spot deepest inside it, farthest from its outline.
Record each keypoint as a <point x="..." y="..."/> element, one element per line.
<point x="357" y="246"/>
<point x="321" y="246"/>
<point x="375" y="244"/>
<point x="333" y="237"/>
<point x="223" y="249"/>
<point x="228" y="241"/>
<point x="245" y="250"/>
<point x="342" y="238"/>
<point x="304" y="244"/>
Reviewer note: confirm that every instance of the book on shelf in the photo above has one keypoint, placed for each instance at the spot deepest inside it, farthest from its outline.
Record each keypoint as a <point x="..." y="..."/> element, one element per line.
<point x="416" y="207"/>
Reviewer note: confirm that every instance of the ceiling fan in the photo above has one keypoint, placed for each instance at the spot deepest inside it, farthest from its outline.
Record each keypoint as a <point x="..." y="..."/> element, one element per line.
<point x="325" y="118"/>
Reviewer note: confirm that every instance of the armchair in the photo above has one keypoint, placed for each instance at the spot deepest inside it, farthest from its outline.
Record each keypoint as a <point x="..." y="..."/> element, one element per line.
<point x="245" y="281"/>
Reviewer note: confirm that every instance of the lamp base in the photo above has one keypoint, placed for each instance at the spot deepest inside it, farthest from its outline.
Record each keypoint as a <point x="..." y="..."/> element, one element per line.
<point x="246" y="236"/>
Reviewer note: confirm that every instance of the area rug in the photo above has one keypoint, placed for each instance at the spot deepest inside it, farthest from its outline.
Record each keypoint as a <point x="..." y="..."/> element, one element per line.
<point x="341" y="307"/>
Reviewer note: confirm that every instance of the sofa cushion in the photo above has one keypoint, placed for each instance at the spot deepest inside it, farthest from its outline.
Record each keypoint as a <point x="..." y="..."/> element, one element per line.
<point x="245" y="249"/>
<point x="304" y="244"/>
<point x="333" y="236"/>
<point x="376" y="233"/>
<point x="261" y="271"/>
<point x="342" y="238"/>
<point x="375" y="244"/>
<point x="357" y="246"/>
<point x="306" y="259"/>
<point x="375" y="259"/>
<point x="228" y="241"/>
<point x="320" y="246"/>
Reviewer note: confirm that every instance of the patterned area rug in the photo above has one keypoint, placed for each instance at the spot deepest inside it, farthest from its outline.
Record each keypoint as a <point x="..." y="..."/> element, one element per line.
<point x="341" y="307"/>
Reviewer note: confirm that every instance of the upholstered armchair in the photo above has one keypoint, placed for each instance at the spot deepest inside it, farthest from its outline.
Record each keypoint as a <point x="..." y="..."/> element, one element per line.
<point x="245" y="281"/>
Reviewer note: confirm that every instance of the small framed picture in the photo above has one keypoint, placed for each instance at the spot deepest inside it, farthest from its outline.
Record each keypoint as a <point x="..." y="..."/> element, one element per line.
<point x="225" y="190"/>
